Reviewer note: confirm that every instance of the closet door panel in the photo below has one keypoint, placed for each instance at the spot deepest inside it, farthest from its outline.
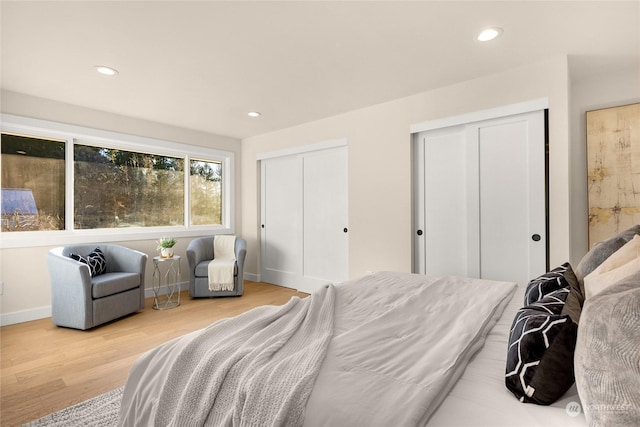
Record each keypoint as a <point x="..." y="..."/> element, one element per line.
<point x="281" y="225"/>
<point x="325" y="246"/>
<point x="445" y="213"/>
<point x="512" y="197"/>
<point x="504" y="202"/>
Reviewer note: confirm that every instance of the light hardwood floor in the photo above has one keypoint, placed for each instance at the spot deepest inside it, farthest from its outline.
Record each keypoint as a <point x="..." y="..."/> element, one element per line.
<point x="45" y="368"/>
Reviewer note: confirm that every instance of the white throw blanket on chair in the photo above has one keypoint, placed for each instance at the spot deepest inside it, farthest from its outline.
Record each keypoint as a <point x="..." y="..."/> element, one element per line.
<point x="222" y="267"/>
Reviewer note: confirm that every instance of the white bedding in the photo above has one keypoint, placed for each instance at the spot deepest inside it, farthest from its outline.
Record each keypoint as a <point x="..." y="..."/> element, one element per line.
<point x="394" y="368"/>
<point x="481" y="399"/>
<point x="399" y="343"/>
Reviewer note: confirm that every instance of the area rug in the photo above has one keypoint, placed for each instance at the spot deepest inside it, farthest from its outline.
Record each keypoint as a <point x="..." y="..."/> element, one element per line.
<point x="99" y="411"/>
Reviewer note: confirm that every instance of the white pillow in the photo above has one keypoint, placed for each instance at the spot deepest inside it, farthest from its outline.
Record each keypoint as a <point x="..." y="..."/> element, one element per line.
<point x="622" y="263"/>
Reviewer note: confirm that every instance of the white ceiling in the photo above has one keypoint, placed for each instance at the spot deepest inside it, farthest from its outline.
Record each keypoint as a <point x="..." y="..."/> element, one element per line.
<point x="203" y="65"/>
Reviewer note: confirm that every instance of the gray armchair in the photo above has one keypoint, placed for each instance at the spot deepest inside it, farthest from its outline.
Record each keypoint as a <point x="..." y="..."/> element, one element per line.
<point x="199" y="254"/>
<point x="82" y="302"/>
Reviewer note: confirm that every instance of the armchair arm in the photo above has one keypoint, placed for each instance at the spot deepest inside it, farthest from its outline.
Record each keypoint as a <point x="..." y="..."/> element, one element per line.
<point x="241" y="252"/>
<point x="198" y="250"/>
<point x="70" y="291"/>
<point x="240" y="249"/>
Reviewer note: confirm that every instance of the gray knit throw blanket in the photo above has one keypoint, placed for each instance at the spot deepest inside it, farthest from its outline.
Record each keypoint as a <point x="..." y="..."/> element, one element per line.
<point x="256" y="369"/>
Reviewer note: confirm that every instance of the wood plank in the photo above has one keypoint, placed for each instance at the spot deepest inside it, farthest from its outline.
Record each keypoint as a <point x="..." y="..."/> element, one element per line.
<point x="46" y="368"/>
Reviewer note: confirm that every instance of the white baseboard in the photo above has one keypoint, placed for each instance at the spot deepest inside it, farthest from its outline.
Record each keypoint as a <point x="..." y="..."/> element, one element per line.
<point x="252" y="277"/>
<point x="25" y="315"/>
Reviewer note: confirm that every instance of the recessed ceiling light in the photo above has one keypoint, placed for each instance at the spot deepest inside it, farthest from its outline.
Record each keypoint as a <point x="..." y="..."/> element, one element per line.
<point x="254" y="114"/>
<point x="489" y="34"/>
<point x="107" y="71"/>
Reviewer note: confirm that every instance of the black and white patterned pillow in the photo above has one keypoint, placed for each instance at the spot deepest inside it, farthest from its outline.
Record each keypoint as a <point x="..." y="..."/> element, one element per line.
<point x="95" y="260"/>
<point x="541" y="346"/>
<point x="553" y="302"/>
<point x="549" y="282"/>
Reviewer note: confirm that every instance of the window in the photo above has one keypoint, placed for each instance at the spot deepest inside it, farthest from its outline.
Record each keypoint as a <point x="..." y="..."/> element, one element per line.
<point x="33" y="183"/>
<point x="118" y="188"/>
<point x="79" y="182"/>
<point x="206" y="192"/>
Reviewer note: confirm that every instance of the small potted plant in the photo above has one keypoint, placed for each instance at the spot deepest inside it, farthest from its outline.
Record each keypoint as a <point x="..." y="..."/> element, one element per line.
<point x="165" y="246"/>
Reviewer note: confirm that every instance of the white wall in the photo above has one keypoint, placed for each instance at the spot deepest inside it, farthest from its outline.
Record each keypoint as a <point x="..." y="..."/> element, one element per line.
<point x="379" y="143"/>
<point x="379" y="166"/>
<point x="24" y="271"/>
<point x="607" y="89"/>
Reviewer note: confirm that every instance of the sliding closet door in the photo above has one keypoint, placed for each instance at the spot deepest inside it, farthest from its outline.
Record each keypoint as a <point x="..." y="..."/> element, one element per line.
<point x="480" y="199"/>
<point x="512" y="201"/>
<point x="304" y="228"/>
<point x="281" y="225"/>
<point x="442" y="198"/>
<point x="325" y="252"/>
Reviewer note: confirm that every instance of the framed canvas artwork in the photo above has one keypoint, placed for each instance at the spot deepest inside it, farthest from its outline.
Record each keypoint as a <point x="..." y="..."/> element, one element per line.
<point x="613" y="159"/>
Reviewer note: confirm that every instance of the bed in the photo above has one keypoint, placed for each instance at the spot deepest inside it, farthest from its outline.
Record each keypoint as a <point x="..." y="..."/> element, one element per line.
<point x="404" y="349"/>
<point x="480" y="397"/>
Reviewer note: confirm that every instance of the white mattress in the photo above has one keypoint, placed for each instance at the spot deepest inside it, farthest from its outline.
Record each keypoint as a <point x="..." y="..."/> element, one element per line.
<point x="480" y="397"/>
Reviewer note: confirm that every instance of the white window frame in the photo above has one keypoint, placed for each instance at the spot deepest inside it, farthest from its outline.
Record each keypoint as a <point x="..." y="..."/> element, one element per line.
<point x="88" y="136"/>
